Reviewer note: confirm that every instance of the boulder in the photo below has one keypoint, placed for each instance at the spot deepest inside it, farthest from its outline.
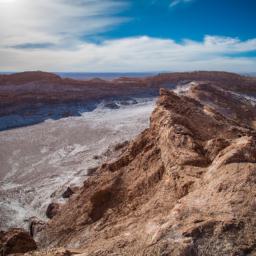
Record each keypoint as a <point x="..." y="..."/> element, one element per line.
<point x="52" y="210"/>
<point x="69" y="192"/>
<point x="16" y="241"/>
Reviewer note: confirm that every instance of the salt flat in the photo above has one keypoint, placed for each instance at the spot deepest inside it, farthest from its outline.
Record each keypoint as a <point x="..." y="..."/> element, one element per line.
<point x="38" y="162"/>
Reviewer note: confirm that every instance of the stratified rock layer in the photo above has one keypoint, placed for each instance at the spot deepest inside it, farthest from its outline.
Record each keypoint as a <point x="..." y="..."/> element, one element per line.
<point x="21" y="92"/>
<point x="185" y="186"/>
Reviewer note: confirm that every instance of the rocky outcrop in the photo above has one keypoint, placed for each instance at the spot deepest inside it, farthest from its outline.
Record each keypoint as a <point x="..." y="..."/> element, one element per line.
<point x="69" y="192"/>
<point x="16" y="241"/>
<point x="185" y="186"/>
<point x="233" y="105"/>
<point x="52" y="210"/>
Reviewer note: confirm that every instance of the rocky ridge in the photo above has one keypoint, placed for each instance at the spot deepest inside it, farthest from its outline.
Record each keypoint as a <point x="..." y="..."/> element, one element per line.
<point x="185" y="186"/>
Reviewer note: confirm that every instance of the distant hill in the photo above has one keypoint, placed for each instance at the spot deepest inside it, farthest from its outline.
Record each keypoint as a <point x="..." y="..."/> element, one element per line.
<point x="21" y="92"/>
<point x="106" y="76"/>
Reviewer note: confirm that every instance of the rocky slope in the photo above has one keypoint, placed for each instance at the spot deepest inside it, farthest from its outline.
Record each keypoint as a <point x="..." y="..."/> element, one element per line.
<point x="184" y="186"/>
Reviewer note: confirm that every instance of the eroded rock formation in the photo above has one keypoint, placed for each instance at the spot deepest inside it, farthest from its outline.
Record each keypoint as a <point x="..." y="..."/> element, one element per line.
<point x="185" y="186"/>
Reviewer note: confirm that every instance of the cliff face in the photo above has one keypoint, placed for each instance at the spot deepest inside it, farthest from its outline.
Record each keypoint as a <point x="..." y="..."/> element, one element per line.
<point x="185" y="186"/>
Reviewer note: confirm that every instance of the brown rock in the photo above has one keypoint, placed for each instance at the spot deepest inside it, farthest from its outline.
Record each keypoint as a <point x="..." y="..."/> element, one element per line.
<point x="184" y="186"/>
<point x="52" y="210"/>
<point x="16" y="241"/>
<point x="69" y="192"/>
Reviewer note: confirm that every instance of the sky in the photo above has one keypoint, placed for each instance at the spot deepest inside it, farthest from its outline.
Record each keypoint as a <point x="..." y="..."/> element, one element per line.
<point x="127" y="35"/>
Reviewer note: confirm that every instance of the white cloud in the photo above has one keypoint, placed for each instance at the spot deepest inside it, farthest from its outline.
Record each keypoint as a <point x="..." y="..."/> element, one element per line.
<point x="46" y="35"/>
<point x="137" y="54"/>
<point x="58" y="21"/>
<point x="176" y="2"/>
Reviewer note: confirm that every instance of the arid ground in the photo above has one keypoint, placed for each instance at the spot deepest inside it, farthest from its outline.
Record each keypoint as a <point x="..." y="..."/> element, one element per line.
<point x="39" y="162"/>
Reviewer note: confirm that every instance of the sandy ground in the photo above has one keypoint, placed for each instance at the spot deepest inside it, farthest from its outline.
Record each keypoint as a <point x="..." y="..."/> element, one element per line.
<point x="42" y="160"/>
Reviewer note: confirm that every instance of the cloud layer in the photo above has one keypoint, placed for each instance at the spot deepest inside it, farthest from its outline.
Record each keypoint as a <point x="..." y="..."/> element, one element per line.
<point x="136" y="54"/>
<point x="53" y="36"/>
<point x="59" y="22"/>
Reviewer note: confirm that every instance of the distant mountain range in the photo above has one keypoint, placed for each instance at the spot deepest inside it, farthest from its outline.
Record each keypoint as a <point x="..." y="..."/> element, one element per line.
<point x="106" y="76"/>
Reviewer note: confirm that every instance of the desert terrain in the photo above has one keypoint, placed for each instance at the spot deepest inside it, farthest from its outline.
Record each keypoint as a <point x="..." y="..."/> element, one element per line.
<point x="39" y="162"/>
<point x="175" y="177"/>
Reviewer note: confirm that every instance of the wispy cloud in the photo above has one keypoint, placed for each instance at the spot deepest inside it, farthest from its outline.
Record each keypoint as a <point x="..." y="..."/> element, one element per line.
<point x="24" y="22"/>
<point x="138" y="54"/>
<point x="177" y="2"/>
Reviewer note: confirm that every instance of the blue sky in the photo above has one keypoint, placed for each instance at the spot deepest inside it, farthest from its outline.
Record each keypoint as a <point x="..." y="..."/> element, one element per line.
<point x="127" y="35"/>
<point x="190" y="19"/>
